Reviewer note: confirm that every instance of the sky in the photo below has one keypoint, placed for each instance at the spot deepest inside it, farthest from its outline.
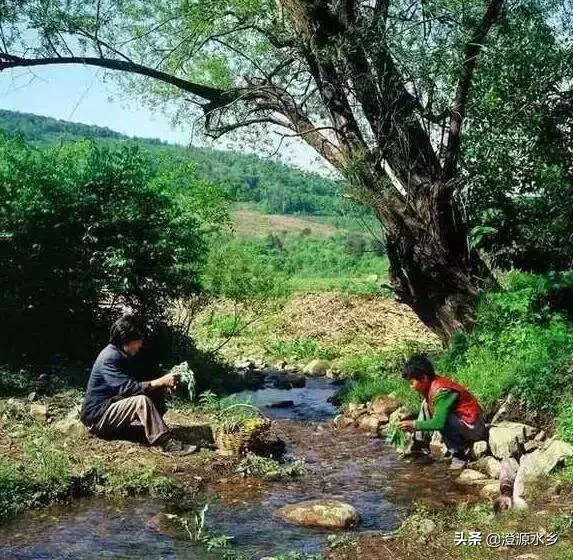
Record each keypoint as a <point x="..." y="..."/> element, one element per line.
<point x="80" y="94"/>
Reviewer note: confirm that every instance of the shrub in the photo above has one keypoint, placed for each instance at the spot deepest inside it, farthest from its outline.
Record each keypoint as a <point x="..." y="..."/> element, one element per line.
<point x="519" y="343"/>
<point x="87" y="230"/>
<point x="235" y="270"/>
<point x="565" y="419"/>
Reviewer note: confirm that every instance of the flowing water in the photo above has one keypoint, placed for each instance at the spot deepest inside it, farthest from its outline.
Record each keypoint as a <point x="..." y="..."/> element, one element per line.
<point x="343" y="464"/>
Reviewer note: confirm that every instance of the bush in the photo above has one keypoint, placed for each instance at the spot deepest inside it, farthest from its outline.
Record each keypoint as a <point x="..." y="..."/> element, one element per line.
<point x="86" y="231"/>
<point x="519" y="343"/>
<point x="235" y="270"/>
<point x="565" y="419"/>
<point x="302" y="349"/>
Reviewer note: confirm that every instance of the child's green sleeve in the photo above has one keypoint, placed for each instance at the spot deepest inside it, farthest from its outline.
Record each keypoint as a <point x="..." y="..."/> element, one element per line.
<point x="444" y="401"/>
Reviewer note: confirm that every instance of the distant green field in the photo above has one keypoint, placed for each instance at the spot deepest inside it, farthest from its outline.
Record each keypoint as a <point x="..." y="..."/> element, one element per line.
<point x="250" y="220"/>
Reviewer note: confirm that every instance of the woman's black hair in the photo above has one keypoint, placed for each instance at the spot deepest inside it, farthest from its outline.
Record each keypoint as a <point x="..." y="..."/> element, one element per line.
<point x="418" y="366"/>
<point x="127" y="329"/>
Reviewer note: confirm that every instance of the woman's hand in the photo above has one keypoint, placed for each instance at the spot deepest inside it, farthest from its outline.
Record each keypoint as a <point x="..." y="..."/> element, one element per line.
<point x="406" y="425"/>
<point x="169" y="380"/>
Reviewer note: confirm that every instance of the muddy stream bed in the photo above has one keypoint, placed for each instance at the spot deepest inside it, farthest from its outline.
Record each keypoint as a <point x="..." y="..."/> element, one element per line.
<point x="348" y="465"/>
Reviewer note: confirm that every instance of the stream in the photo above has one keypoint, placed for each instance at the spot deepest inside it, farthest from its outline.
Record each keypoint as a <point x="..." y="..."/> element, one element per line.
<point x="348" y="465"/>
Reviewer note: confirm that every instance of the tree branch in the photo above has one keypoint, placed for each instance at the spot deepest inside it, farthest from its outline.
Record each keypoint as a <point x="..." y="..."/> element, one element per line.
<point x="217" y="132"/>
<point x="471" y="53"/>
<point x="215" y="96"/>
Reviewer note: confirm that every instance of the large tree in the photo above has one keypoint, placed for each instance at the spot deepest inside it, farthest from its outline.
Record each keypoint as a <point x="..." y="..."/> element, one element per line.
<point x="378" y="88"/>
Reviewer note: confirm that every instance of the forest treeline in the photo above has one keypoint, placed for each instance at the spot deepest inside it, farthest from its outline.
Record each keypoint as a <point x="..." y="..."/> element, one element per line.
<point x="274" y="187"/>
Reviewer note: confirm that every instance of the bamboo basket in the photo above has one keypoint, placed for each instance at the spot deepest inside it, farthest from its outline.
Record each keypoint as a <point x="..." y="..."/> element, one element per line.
<point x="235" y="441"/>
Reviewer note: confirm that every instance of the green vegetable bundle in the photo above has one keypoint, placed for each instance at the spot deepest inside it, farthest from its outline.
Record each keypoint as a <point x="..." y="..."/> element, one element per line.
<point x="396" y="436"/>
<point x="186" y="376"/>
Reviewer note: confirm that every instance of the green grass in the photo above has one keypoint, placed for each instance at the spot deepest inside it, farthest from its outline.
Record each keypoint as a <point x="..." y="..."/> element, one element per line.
<point x="479" y="517"/>
<point x="45" y="471"/>
<point x="44" y="474"/>
<point x="302" y="349"/>
<point x="136" y="482"/>
<point x="300" y="262"/>
<point x="565" y="422"/>
<point x="518" y="344"/>
<point x="222" y="325"/>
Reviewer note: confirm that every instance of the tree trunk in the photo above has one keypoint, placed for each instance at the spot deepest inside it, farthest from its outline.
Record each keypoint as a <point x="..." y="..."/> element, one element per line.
<point x="432" y="267"/>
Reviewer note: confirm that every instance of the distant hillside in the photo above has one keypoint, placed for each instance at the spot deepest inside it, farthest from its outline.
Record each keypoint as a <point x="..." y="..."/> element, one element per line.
<point x="274" y="187"/>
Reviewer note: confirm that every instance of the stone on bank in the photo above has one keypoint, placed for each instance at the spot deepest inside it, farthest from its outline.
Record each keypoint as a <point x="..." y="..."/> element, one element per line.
<point x="317" y="368"/>
<point x="506" y="439"/>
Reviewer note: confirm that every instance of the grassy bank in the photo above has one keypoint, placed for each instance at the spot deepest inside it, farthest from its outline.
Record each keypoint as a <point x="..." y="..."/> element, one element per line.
<point x="46" y="459"/>
<point x="354" y="332"/>
<point x="297" y="296"/>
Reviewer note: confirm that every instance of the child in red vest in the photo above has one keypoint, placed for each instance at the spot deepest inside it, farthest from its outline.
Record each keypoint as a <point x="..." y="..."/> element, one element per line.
<point x="448" y="408"/>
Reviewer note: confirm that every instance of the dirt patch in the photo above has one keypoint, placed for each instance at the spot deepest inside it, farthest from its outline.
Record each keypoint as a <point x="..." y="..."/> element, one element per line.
<point x="344" y="318"/>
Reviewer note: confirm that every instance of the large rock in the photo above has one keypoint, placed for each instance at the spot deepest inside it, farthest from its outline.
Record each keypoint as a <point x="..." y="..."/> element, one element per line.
<point x="343" y="421"/>
<point x="488" y="465"/>
<point x="468" y="476"/>
<point x="490" y="491"/>
<point x="369" y="424"/>
<point x="355" y="410"/>
<point x="71" y="427"/>
<point x="332" y="514"/>
<point x="506" y="439"/>
<point x="544" y="460"/>
<point x="317" y="368"/>
<point x="384" y="404"/>
<point x="530" y="446"/>
<point x="401" y="413"/>
<point x="39" y="412"/>
<point x="479" y="449"/>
